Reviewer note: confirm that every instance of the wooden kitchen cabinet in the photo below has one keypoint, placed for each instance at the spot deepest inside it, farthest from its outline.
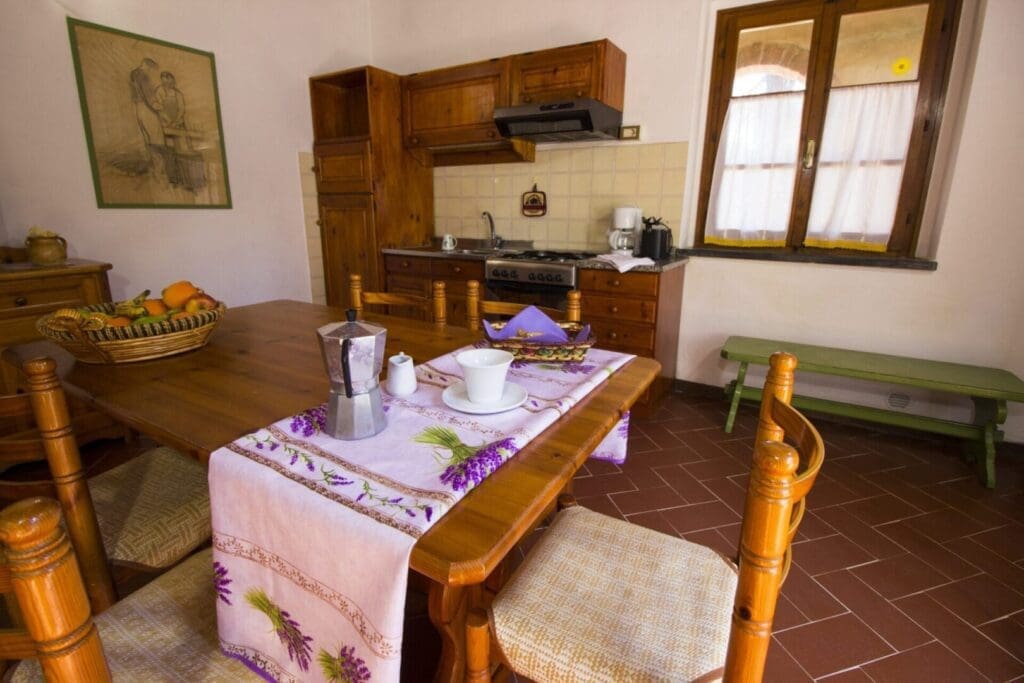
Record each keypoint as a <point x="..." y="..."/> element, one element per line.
<point x="636" y="312"/>
<point x="373" y="194"/>
<point x="595" y="70"/>
<point x="414" y="275"/>
<point x="454" y="105"/>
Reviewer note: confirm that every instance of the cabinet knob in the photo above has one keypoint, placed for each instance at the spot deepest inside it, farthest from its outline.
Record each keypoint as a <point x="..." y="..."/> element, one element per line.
<point x="457" y="269"/>
<point x="613" y="335"/>
<point x="527" y="99"/>
<point x="20" y="301"/>
<point x="414" y="141"/>
<point x="319" y="222"/>
<point x="616" y="283"/>
<point x="491" y="133"/>
<point x="614" y="309"/>
<point x="579" y="93"/>
<point x="312" y="169"/>
<point x="405" y="264"/>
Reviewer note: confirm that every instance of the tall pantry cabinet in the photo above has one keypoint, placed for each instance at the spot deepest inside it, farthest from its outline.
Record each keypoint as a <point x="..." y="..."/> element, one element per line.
<point x="372" y="193"/>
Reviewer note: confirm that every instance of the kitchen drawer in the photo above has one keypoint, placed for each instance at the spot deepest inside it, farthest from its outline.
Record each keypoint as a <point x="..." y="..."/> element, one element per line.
<point x="407" y="265"/>
<point x="29" y="295"/>
<point x="600" y="306"/>
<point x="613" y="282"/>
<point x="343" y="167"/>
<point x="456" y="269"/>
<point x="36" y="292"/>
<point x="613" y="334"/>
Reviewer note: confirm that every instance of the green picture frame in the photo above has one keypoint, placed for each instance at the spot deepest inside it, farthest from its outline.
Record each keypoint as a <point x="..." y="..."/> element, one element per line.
<point x="152" y="120"/>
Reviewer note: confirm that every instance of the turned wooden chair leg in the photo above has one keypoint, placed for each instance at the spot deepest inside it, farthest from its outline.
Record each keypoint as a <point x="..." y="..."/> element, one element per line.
<point x="478" y="647"/>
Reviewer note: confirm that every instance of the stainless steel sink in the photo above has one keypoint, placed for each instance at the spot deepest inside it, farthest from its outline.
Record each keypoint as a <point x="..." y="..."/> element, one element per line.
<point x="484" y="252"/>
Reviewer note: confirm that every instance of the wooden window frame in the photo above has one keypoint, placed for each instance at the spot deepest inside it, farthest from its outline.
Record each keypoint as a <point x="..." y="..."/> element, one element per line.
<point x="933" y="77"/>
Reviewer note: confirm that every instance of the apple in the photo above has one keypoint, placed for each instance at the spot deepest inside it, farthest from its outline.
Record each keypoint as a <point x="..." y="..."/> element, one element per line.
<point x="200" y="302"/>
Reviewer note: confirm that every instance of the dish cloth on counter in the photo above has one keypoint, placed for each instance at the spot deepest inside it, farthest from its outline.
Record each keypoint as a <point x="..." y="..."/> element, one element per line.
<point x="624" y="262"/>
<point x="534" y="325"/>
<point x="312" y="535"/>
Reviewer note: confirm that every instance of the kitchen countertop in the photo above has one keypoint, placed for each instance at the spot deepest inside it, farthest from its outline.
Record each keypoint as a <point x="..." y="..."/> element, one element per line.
<point x="479" y="254"/>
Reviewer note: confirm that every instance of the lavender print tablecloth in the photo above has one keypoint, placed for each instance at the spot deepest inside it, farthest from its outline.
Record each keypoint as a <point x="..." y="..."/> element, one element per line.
<point x="312" y="535"/>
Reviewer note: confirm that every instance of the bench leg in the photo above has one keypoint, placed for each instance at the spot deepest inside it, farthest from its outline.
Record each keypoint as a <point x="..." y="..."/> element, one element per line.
<point x="988" y="414"/>
<point x="737" y="391"/>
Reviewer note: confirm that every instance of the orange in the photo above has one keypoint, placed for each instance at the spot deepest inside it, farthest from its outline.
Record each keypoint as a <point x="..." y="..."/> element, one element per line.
<point x="154" y="307"/>
<point x="180" y="314"/>
<point x="119" y="321"/>
<point x="177" y="294"/>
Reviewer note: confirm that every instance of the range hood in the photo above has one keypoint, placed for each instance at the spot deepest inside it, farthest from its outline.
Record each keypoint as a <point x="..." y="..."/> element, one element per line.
<point x="565" y="121"/>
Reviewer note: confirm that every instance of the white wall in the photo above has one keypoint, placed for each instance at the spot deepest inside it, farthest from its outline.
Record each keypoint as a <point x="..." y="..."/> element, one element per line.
<point x="265" y="51"/>
<point x="971" y="310"/>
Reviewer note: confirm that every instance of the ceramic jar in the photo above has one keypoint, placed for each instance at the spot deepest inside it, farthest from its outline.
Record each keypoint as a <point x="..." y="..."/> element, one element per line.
<point x="47" y="251"/>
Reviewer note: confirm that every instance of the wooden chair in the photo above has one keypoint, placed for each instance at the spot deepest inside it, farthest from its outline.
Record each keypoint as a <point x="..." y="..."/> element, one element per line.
<point x="600" y="598"/>
<point x="166" y="630"/>
<point x="476" y="307"/>
<point x="147" y="513"/>
<point x="434" y="307"/>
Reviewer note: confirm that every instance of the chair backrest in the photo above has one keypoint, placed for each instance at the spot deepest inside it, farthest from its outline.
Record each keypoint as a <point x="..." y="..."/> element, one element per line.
<point x="780" y="479"/>
<point x="55" y="621"/>
<point x="476" y="307"/>
<point x="435" y="307"/>
<point x="52" y="440"/>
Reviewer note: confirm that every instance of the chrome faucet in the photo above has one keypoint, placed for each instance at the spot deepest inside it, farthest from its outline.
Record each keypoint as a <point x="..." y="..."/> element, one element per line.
<point x="495" y="238"/>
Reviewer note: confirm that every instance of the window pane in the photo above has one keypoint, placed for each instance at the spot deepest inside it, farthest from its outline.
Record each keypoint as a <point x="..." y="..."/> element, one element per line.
<point x="772" y="59"/>
<point x="879" y="47"/>
<point x="860" y="167"/>
<point x="755" y="170"/>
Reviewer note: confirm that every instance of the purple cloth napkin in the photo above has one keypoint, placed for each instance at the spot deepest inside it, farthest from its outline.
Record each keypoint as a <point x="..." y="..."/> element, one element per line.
<point x="532" y="325"/>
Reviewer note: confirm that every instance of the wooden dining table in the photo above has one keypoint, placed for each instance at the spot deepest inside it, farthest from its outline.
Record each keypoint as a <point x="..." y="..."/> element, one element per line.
<point x="263" y="363"/>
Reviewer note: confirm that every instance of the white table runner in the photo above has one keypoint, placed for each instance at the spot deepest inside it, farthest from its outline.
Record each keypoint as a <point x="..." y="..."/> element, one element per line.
<point x="312" y="535"/>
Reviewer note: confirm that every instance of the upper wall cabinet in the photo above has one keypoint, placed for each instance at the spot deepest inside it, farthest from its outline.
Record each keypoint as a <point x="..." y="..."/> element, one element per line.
<point x="596" y="70"/>
<point x="454" y="106"/>
<point x="448" y="114"/>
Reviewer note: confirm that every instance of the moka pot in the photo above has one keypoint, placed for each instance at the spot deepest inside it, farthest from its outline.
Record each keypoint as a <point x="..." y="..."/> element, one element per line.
<point x="353" y="354"/>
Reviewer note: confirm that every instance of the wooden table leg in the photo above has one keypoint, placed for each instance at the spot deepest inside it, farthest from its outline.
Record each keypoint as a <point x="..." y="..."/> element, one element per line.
<point x="737" y="392"/>
<point x="447" y="610"/>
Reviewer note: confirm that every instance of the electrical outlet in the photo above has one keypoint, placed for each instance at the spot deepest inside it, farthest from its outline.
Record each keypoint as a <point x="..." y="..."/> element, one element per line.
<point x="629" y="133"/>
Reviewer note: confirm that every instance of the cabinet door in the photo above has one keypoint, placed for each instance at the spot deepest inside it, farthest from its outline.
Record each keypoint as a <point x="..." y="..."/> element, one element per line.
<point x="408" y="284"/>
<point x="343" y="167"/>
<point x="454" y="106"/>
<point x="349" y="244"/>
<point x="596" y="70"/>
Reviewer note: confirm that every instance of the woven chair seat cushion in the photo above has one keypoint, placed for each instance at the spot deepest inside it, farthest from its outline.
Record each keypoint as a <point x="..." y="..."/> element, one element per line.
<point x="600" y="599"/>
<point x="165" y="631"/>
<point x="154" y="509"/>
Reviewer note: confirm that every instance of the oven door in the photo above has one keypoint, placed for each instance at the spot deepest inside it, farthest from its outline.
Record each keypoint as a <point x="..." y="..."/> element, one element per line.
<point x="548" y="296"/>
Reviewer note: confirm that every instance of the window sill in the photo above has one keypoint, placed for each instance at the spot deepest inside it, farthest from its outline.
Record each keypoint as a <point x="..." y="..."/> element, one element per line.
<point x="814" y="256"/>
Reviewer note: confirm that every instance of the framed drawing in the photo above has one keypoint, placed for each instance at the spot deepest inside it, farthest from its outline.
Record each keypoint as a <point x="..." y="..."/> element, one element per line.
<point x="152" y="120"/>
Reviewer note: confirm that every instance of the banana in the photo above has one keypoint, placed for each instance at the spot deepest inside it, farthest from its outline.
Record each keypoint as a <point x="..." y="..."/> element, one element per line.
<point x="132" y="308"/>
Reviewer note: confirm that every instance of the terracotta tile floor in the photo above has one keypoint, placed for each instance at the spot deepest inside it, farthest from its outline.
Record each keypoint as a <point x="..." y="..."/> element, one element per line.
<point x="905" y="568"/>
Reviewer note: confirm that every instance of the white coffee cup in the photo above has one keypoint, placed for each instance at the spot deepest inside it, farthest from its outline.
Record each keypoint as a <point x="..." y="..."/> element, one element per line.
<point x="448" y="242"/>
<point x="401" y="375"/>
<point x="484" y="371"/>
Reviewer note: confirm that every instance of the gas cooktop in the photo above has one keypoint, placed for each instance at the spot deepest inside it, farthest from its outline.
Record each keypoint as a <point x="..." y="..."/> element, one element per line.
<point x="557" y="268"/>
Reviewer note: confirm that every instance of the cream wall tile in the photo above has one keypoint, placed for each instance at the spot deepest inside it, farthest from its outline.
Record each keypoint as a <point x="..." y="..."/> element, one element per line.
<point x="582" y="159"/>
<point x="626" y="158"/>
<point x="308" y="182"/>
<point x="558" y="205"/>
<point x="604" y="159"/>
<point x="649" y="183"/>
<point x="560" y="160"/>
<point x="651" y="156"/>
<point x="580" y="185"/>
<point x="624" y="183"/>
<point x="467" y="186"/>
<point x="558" y="186"/>
<point x="672" y="183"/>
<point x="579" y="207"/>
<point x="675" y="154"/>
<point x="601" y="185"/>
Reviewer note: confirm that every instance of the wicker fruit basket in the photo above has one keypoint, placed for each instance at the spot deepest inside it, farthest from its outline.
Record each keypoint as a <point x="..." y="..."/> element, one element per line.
<point x="523" y="349"/>
<point x="89" y="341"/>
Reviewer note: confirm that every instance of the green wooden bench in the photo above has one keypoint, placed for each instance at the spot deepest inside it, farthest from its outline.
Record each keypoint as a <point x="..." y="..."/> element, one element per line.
<point x="988" y="388"/>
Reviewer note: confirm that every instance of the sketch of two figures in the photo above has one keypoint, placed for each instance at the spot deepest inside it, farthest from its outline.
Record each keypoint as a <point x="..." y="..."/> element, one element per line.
<point x="160" y="110"/>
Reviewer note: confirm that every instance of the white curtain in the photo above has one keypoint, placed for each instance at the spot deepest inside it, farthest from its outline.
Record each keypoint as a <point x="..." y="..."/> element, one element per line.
<point x="752" y="187"/>
<point x="860" y="165"/>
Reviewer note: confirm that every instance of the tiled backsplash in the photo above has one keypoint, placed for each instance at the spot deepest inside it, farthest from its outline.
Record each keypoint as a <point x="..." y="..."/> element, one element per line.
<point x="583" y="185"/>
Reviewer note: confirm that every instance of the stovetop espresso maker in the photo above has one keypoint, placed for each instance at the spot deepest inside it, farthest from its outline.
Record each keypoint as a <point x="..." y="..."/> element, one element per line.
<point x="353" y="354"/>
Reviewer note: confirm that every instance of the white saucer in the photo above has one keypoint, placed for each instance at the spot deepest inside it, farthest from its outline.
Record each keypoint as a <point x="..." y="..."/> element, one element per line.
<point x="456" y="397"/>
